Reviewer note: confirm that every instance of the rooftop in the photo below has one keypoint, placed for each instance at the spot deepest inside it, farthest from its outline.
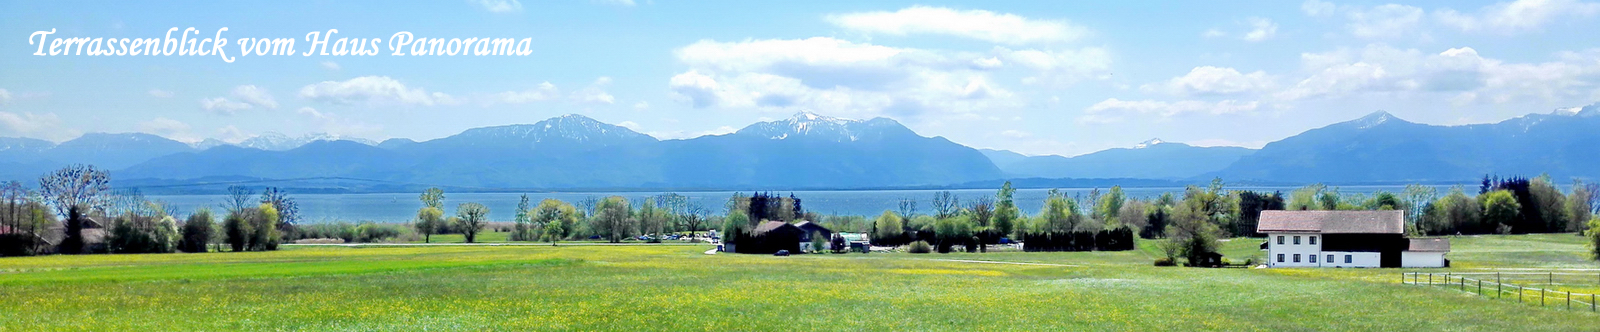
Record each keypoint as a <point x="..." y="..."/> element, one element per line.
<point x="1429" y="244"/>
<point x="1332" y="222"/>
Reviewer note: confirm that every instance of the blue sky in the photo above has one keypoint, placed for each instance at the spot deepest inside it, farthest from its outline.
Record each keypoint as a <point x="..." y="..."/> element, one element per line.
<point x="1046" y="77"/>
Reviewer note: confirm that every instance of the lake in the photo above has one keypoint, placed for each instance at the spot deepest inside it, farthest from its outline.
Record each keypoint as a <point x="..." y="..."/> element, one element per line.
<point x="401" y="207"/>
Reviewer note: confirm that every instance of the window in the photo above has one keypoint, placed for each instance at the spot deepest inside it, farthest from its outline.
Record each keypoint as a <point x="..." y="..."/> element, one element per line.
<point x="1330" y="258"/>
<point x="1347" y="259"/>
<point x="1313" y="258"/>
<point x="1297" y="239"/>
<point x="1280" y="257"/>
<point x="1313" y="239"/>
<point x="1280" y="239"/>
<point x="1296" y="258"/>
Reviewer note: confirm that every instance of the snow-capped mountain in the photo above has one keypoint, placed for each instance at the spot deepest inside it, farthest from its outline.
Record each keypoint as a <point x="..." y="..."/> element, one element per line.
<point x="570" y="128"/>
<point x="1149" y="143"/>
<point x="812" y="126"/>
<point x="272" y="141"/>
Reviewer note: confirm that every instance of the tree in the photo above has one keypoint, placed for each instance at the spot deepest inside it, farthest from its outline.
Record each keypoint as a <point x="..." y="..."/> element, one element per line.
<point x="557" y="218"/>
<point x="1580" y="205"/>
<point x="1384" y="200"/>
<point x="434" y="198"/>
<point x="945" y="205"/>
<point x="197" y="231"/>
<point x="238" y="198"/>
<point x="1157" y="218"/>
<point x="428" y="221"/>
<point x="76" y="185"/>
<point x="981" y="213"/>
<point x="1500" y="210"/>
<point x="554" y="232"/>
<point x="138" y="234"/>
<point x="735" y="224"/>
<point x="952" y="231"/>
<point x="236" y="229"/>
<point x="1005" y="210"/>
<point x="471" y="217"/>
<point x="612" y="219"/>
<point x="288" y="210"/>
<point x="651" y="220"/>
<point x="908" y="207"/>
<point x="1192" y="228"/>
<point x="694" y="217"/>
<point x="1306" y="197"/>
<point x="1416" y="199"/>
<point x="73" y="242"/>
<point x="888" y="227"/>
<point x="264" y="228"/>
<point x="1061" y="214"/>
<point x="1110" y="206"/>
<point x="1551" y="204"/>
<point x="1594" y="238"/>
<point x="523" y="228"/>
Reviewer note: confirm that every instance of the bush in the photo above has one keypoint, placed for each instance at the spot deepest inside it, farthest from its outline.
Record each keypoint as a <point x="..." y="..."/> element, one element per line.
<point x="16" y="244"/>
<point x="374" y="232"/>
<point x="197" y="232"/>
<point x="919" y="247"/>
<point x="1164" y="261"/>
<point x="136" y="234"/>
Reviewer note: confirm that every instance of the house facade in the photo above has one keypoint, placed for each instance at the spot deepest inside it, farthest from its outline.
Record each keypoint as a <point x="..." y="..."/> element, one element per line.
<point x="1346" y="239"/>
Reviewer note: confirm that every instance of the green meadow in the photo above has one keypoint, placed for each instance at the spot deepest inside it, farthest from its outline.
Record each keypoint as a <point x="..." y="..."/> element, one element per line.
<point x="659" y="287"/>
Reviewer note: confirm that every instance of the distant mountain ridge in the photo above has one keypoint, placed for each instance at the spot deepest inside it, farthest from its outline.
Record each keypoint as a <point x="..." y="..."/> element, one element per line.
<point x="1152" y="159"/>
<point x="814" y="151"/>
<point x="1380" y="147"/>
<point x="574" y="151"/>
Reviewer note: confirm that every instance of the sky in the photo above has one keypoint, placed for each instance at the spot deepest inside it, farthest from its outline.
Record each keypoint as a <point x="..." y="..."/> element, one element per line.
<point x="1036" y="77"/>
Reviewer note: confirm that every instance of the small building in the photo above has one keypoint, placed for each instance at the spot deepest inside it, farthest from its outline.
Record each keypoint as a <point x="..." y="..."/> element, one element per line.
<point x="767" y="238"/>
<point x="1346" y="239"/>
<point x="811" y="231"/>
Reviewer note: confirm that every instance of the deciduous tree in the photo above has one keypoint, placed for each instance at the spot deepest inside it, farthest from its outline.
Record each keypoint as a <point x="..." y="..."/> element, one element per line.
<point x="471" y="217"/>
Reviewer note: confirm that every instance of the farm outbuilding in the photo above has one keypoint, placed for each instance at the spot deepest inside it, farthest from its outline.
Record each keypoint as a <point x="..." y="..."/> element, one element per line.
<point x="1346" y="239"/>
<point x="769" y="237"/>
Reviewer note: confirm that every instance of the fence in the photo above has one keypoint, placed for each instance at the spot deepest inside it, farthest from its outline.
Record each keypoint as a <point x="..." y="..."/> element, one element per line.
<point x="1500" y="285"/>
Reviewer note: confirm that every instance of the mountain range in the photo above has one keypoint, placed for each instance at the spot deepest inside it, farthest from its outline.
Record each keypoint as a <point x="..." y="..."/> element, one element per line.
<point x="812" y="151"/>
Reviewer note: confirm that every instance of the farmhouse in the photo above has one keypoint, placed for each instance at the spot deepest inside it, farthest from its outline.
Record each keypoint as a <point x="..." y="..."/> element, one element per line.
<point x="812" y="230"/>
<point x="1346" y="239"/>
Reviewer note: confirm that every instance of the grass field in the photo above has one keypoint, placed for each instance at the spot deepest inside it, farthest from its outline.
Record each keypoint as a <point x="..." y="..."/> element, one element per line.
<point x="679" y="288"/>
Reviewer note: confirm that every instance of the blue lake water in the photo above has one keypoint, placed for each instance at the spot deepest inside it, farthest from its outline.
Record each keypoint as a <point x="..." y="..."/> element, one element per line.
<point x="400" y="207"/>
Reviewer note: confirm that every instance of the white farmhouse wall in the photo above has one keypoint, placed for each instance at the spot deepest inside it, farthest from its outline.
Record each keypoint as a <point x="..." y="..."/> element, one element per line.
<point x="1288" y="249"/>
<point x="1357" y="259"/>
<point x="1306" y="250"/>
<point x="1421" y="259"/>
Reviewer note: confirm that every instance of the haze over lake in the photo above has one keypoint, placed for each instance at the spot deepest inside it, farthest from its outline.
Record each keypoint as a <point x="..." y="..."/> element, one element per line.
<point x="402" y="207"/>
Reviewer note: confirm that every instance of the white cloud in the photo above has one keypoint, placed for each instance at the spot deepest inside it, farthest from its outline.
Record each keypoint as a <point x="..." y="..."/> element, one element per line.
<point x="624" y="3"/>
<point x="159" y="93"/>
<point x="330" y="65"/>
<point x="498" y="6"/>
<point x="45" y="126"/>
<point x="1384" y="21"/>
<point x="5" y="97"/>
<point x="1318" y="8"/>
<point x="231" y="134"/>
<point x="595" y="93"/>
<point x="242" y="97"/>
<point x="253" y="95"/>
<point x="1168" y="109"/>
<point x="1261" y="29"/>
<point x="1213" y="33"/>
<point x="640" y="106"/>
<point x="372" y="90"/>
<point x="1208" y="80"/>
<point x="334" y="124"/>
<point x="976" y="24"/>
<point x="169" y="128"/>
<point x="1460" y="74"/>
<point x="222" y="105"/>
<point x="1013" y="133"/>
<point x="543" y="92"/>
<point x="1517" y="16"/>
<point x="629" y="124"/>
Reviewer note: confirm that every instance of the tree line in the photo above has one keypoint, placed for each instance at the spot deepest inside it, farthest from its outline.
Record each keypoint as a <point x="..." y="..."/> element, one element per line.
<point x="74" y="210"/>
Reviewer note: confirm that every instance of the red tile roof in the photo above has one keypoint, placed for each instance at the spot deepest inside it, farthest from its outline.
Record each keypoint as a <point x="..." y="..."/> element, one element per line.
<point x="1332" y="222"/>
